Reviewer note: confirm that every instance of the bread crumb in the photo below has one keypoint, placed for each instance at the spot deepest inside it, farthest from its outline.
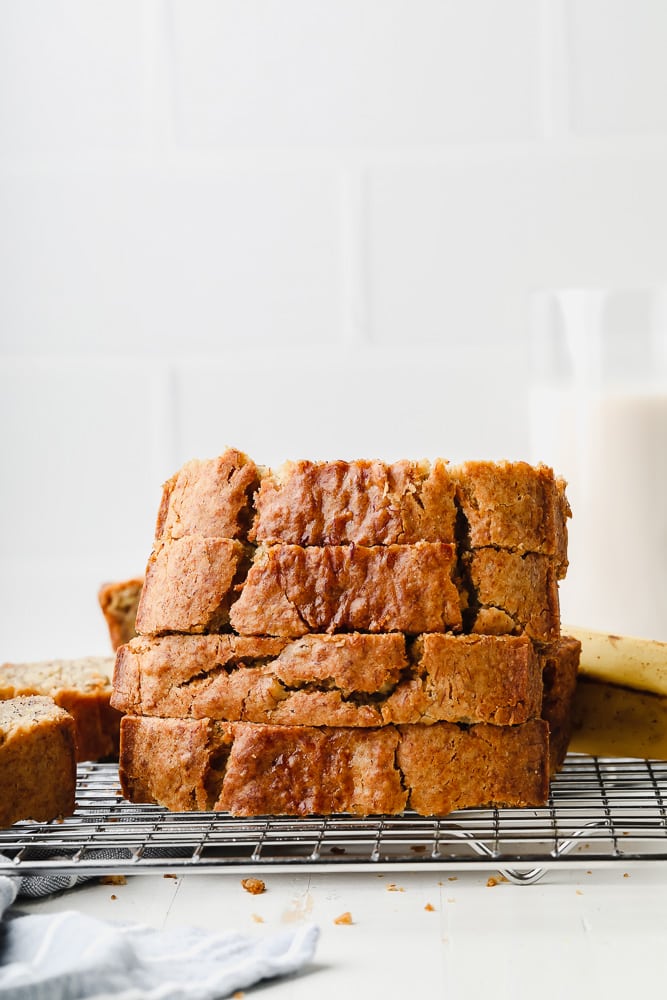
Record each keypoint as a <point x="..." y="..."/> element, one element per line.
<point x="579" y="892"/>
<point x="113" y="880"/>
<point x="430" y="908"/>
<point x="491" y="882"/>
<point x="255" y="886"/>
<point x="392" y="887"/>
<point x="626" y="874"/>
<point x="112" y="896"/>
<point x="344" y="918"/>
<point x="168" y="875"/>
<point x="452" y="878"/>
<point x="256" y="917"/>
<point x="238" y="995"/>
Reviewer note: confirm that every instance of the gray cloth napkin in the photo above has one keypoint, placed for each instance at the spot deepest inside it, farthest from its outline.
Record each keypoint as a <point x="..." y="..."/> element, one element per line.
<point x="68" y="955"/>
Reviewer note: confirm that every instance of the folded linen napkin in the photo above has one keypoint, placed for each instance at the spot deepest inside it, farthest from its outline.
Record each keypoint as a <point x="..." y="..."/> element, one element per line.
<point x="69" y="955"/>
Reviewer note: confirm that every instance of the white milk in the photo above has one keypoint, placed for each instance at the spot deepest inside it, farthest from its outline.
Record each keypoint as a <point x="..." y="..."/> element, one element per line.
<point x="611" y="447"/>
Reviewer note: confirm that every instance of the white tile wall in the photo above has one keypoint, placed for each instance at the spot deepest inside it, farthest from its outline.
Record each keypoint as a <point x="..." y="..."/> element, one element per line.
<point x="619" y="71"/>
<point x="354" y="73"/>
<point x="302" y="229"/>
<point x="155" y="261"/>
<point x="490" y="229"/>
<point x="72" y="75"/>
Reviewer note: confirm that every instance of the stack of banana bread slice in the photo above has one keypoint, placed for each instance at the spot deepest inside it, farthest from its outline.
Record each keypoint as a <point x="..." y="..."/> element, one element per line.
<point x="349" y="637"/>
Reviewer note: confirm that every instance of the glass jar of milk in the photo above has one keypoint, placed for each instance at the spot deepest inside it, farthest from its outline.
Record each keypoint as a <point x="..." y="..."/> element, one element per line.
<point x="599" y="417"/>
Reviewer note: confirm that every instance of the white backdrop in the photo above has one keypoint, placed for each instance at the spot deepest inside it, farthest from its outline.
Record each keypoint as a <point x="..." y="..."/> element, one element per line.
<point x="306" y="230"/>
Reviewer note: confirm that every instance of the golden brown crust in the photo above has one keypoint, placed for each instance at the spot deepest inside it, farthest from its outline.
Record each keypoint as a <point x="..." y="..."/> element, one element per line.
<point x="291" y="590"/>
<point x="514" y="505"/>
<point x="335" y="680"/>
<point x="190" y="585"/>
<point x="119" y="602"/>
<point x="211" y="498"/>
<point x="82" y="687"/>
<point x="513" y="594"/>
<point x="250" y="769"/>
<point x="37" y="760"/>
<point x="360" y="502"/>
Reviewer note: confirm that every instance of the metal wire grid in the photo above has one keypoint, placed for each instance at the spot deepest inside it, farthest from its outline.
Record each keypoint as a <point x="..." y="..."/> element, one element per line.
<point x="601" y="811"/>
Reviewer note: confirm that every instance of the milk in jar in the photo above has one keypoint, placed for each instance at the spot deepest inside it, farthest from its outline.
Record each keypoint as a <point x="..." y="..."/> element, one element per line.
<point x="599" y="417"/>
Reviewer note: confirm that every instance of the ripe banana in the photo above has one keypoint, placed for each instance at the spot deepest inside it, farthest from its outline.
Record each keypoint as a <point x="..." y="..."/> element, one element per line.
<point x="620" y="707"/>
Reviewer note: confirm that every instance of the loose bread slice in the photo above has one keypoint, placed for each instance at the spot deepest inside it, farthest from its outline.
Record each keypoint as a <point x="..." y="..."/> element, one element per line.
<point x="82" y="687"/>
<point x="291" y="590"/>
<point x="249" y="769"/>
<point x="350" y="679"/>
<point x="37" y="760"/>
<point x="360" y="502"/>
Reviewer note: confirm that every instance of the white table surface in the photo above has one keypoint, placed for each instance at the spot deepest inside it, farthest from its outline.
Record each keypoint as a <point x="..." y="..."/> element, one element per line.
<point x="594" y="933"/>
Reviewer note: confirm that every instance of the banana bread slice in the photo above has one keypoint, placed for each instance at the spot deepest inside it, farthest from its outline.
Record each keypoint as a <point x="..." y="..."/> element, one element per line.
<point x="190" y="584"/>
<point x="351" y="679"/>
<point x="249" y="770"/>
<point x="37" y="760"/>
<point x="82" y="687"/>
<point x="513" y="505"/>
<point x="360" y="502"/>
<point x="291" y="590"/>
<point x="211" y="497"/>
<point x="510" y="593"/>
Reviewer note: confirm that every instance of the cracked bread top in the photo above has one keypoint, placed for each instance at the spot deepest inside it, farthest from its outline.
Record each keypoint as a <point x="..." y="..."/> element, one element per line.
<point x="291" y="590"/>
<point x="510" y="505"/>
<point x="361" y="502"/>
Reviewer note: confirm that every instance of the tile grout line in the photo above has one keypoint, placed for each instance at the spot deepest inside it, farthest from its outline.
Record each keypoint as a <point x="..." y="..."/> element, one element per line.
<point x="159" y="89"/>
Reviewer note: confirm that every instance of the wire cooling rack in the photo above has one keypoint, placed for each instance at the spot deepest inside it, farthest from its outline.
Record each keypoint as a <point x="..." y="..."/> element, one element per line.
<point x="601" y="811"/>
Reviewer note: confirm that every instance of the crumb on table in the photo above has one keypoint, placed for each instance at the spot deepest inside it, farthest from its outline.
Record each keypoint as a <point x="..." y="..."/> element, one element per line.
<point x="344" y="918"/>
<point x="255" y="886"/>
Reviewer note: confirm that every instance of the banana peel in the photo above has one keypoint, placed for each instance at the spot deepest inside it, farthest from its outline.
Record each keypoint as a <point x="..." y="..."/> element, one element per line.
<point x="620" y="706"/>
